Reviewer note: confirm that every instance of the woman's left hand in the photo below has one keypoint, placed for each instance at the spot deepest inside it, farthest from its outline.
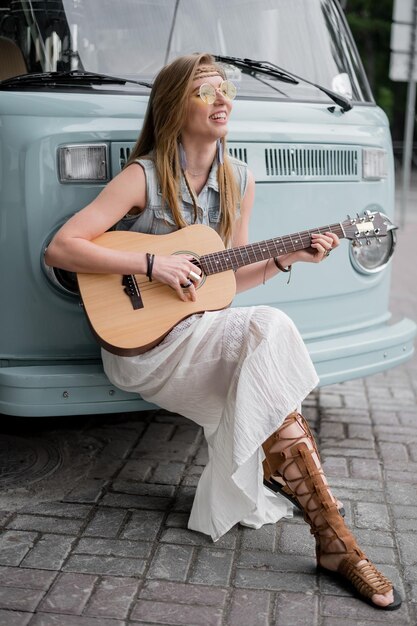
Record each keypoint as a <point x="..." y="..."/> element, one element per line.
<point x="321" y="246"/>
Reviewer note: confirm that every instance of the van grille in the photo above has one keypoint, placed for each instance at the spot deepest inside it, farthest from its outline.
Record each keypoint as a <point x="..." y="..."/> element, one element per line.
<point x="239" y="153"/>
<point x="279" y="161"/>
<point x="311" y="162"/>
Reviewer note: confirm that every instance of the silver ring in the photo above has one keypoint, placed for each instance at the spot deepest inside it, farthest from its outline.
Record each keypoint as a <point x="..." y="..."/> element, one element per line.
<point x="328" y="252"/>
<point x="194" y="276"/>
<point x="187" y="286"/>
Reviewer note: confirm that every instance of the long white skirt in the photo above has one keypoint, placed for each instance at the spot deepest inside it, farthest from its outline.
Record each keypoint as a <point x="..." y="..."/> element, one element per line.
<point x="237" y="373"/>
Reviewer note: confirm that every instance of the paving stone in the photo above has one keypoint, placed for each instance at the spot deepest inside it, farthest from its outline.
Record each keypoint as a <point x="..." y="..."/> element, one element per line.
<point x="188" y="537"/>
<point x="408" y="548"/>
<point x="105" y="523"/>
<point x="326" y="450"/>
<point x="189" y="433"/>
<point x="136" y="470"/>
<point x="165" y="591"/>
<point x="126" y="501"/>
<point x="172" y="450"/>
<point x="405" y="475"/>
<point x="332" y="430"/>
<point x="349" y="416"/>
<point x="50" y="552"/>
<point x="112" y="597"/>
<point x="171" y="562"/>
<point x="372" y="515"/>
<point x="18" y="599"/>
<point x="4" y="517"/>
<point x="143" y="489"/>
<point x="372" y="537"/>
<point x="250" y="608"/>
<point x="14" y="618"/>
<point x="278" y="562"/>
<point x="26" y="578"/>
<point x="392" y="454"/>
<point x="47" y="524"/>
<point x="184" y="498"/>
<point x="335" y="466"/>
<point x="14" y="546"/>
<point x="105" y="565"/>
<point x="176" y="614"/>
<point x="212" y="567"/>
<point x="51" y="619"/>
<point x="369" y="468"/>
<point x="69" y="594"/>
<point x="168" y="473"/>
<point x="329" y="400"/>
<point x="296" y="539"/>
<point x="297" y="609"/>
<point x="277" y="581"/>
<point x="401" y="493"/>
<point x="58" y="509"/>
<point x="265" y="538"/>
<point x="192" y="475"/>
<point x="87" y="490"/>
<point x="177" y="520"/>
<point x="143" y="526"/>
<point x="113" y="547"/>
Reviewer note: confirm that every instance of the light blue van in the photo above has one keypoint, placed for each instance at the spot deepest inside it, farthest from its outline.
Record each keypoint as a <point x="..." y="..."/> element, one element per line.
<point x="75" y="78"/>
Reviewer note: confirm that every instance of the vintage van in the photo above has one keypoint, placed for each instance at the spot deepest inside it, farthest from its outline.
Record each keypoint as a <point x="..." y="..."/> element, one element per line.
<point x="74" y="85"/>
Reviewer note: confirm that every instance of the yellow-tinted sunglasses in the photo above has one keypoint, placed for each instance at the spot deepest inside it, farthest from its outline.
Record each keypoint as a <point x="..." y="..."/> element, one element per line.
<point x="207" y="92"/>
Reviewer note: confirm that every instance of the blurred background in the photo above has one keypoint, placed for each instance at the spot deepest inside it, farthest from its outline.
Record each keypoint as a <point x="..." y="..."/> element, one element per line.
<point x="370" y="22"/>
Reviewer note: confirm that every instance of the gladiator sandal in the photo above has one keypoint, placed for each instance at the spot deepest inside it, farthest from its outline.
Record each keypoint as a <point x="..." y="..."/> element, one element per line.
<point x="292" y="459"/>
<point x="270" y="481"/>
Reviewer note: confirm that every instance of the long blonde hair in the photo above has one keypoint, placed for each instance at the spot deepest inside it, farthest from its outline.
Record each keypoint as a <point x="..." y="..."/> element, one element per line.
<point x="167" y="109"/>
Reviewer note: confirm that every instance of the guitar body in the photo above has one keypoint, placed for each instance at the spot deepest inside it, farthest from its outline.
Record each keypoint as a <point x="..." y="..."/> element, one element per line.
<point x="126" y="331"/>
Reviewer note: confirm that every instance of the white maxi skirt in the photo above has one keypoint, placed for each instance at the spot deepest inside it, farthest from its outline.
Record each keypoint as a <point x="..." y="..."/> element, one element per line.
<point x="237" y="373"/>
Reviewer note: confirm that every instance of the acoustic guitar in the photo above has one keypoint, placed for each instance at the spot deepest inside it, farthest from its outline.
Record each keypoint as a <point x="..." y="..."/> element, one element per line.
<point x="129" y="314"/>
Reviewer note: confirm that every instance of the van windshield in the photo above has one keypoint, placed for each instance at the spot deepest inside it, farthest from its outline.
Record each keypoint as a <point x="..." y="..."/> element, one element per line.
<point x="135" y="38"/>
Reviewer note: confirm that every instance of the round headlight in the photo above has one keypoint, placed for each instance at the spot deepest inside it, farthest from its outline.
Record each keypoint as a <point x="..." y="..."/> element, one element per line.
<point x="372" y="257"/>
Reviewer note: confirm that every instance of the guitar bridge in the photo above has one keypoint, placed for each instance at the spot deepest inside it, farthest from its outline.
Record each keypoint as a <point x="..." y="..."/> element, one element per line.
<point x="132" y="290"/>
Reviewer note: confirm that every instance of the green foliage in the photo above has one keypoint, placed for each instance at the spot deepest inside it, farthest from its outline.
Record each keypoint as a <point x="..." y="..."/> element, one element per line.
<point x="370" y="23"/>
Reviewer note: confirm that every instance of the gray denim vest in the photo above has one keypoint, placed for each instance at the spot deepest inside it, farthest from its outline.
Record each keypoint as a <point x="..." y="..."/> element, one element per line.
<point x="155" y="220"/>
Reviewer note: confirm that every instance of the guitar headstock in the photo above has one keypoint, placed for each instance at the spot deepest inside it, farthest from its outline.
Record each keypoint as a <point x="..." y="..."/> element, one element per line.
<point x="372" y="224"/>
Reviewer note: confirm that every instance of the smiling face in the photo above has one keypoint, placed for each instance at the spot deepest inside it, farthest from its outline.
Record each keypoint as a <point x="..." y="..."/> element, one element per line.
<point x="207" y="122"/>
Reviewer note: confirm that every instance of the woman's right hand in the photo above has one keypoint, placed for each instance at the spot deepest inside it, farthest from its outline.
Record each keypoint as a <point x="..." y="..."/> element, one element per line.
<point x="176" y="270"/>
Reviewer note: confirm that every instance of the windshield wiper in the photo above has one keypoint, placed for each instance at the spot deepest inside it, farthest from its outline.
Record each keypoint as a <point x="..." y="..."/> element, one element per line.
<point x="67" y="78"/>
<point x="250" y="66"/>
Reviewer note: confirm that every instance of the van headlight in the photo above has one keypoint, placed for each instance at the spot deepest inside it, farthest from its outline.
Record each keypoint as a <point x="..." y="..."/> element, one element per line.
<point x="83" y="163"/>
<point x="374" y="163"/>
<point x="372" y="257"/>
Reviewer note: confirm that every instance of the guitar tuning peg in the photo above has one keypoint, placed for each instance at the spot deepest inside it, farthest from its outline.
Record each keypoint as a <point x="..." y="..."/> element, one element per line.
<point x="368" y="241"/>
<point x="378" y="240"/>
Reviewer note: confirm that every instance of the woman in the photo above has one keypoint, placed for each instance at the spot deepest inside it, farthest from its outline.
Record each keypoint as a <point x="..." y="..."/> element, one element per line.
<point x="240" y="373"/>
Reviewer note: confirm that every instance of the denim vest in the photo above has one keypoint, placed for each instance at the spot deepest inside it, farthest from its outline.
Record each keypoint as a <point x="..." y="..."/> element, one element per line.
<point x="157" y="220"/>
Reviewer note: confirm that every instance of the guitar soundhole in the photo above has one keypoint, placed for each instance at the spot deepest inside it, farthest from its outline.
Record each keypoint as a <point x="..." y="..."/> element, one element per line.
<point x="196" y="261"/>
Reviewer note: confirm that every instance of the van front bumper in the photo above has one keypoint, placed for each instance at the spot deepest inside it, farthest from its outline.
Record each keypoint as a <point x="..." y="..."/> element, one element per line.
<point x="80" y="389"/>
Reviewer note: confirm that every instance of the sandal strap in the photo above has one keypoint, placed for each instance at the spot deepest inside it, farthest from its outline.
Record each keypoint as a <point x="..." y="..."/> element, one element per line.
<point x="366" y="579"/>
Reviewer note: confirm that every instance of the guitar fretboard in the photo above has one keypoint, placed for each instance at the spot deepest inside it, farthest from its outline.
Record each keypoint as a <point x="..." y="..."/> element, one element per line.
<point x="233" y="258"/>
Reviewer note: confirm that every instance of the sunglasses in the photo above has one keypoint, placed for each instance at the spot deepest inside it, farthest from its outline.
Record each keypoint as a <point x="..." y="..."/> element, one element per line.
<point x="207" y="92"/>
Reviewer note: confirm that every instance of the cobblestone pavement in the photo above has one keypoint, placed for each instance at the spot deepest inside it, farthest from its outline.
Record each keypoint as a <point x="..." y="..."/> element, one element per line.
<point x="110" y="546"/>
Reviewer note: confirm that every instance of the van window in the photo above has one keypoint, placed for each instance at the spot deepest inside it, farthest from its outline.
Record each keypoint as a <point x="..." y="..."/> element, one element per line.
<point x="135" y="39"/>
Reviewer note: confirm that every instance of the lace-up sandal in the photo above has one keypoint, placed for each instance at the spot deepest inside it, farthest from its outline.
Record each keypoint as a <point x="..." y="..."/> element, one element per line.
<point x="295" y="464"/>
<point x="271" y="482"/>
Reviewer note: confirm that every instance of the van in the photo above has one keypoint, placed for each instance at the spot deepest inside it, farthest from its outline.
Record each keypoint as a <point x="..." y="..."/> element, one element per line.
<point x="75" y="77"/>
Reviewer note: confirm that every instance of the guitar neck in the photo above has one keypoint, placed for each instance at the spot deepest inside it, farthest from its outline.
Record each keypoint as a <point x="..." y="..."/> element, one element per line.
<point x="233" y="258"/>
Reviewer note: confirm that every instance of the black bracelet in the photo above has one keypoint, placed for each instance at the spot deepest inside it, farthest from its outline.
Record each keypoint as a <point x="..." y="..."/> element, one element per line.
<point x="149" y="260"/>
<point x="281" y="267"/>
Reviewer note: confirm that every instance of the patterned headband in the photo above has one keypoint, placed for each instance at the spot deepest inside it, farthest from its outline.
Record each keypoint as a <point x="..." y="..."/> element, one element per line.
<point x="205" y="71"/>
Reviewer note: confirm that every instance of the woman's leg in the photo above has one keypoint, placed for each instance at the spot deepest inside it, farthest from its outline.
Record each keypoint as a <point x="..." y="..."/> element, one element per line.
<point x="291" y="454"/>
<point x="276" y="483"/>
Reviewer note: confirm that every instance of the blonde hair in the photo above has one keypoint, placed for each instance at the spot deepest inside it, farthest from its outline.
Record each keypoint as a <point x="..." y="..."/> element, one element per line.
<point x="167" y="109"/>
